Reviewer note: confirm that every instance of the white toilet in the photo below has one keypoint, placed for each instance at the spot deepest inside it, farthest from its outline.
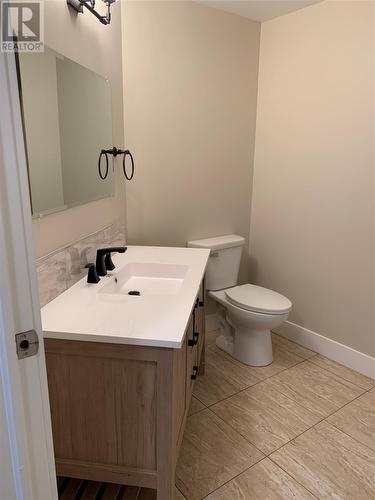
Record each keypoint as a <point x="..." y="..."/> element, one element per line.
<point x="247" y="313"/>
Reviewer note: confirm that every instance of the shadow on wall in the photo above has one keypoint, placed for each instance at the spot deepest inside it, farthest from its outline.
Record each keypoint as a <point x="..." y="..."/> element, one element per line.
<point x="254" y="278"/>
<point x="253" y="268"/>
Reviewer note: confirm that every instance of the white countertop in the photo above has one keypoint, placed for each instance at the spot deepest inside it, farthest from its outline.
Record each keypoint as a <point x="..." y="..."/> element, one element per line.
<point x="81" y="313"/>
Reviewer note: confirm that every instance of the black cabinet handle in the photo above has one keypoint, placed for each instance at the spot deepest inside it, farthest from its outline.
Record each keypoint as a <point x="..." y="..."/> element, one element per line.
<point x="195" y="373"/>
<point x="193" y="341"/>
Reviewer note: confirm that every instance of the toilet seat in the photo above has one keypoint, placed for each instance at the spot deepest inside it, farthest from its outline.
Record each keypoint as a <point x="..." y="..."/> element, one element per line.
<point x="258" y="299"/>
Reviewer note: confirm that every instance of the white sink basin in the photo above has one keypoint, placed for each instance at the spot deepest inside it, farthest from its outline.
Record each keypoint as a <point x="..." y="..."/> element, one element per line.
<point x="147" y="279"/>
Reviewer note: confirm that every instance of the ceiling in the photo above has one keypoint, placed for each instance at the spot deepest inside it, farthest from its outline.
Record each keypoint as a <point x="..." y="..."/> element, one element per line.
<point x="258" y="10"/>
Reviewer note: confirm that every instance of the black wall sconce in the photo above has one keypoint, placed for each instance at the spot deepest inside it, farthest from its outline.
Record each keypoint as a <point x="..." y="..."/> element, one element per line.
<point x="115" y="152"/>
<point x="90" y="5"/>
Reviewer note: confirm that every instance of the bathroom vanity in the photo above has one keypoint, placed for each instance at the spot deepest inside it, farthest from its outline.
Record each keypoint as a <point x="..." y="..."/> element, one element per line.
<point x="121" y="368"/>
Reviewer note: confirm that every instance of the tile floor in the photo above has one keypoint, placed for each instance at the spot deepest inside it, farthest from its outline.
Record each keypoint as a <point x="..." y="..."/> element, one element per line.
<point x="301" y="428"/>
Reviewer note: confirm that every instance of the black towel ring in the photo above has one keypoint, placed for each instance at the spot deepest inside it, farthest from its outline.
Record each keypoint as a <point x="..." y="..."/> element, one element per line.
<point x="115" y="152"/>
<point x="103" y="177"/>
<point x="125" y="154"/>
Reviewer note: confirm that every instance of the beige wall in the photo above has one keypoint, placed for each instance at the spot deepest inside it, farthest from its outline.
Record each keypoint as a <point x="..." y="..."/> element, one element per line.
<point x="312" y="226"/>
<point x="85" y="40"/>
<point x="190" y="76"/>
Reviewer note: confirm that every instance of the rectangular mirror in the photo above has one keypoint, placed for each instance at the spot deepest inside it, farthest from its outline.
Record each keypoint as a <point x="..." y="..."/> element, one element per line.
<point x="67" y="122"/>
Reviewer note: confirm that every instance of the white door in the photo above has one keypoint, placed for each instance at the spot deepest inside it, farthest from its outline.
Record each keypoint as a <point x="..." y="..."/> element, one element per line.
<point x="27" y="469"/>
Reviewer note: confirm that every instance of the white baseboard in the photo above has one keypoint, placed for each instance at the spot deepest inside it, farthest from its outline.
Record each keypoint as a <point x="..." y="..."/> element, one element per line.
<point x="340" y="353"/>
<point x="212" y="322"/>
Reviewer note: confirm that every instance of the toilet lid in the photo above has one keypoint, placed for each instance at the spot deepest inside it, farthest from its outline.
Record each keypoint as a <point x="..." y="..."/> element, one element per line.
<point x="258" y="299"/>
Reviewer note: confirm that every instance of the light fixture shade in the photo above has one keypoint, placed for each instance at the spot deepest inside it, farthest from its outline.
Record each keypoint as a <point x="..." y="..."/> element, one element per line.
<point x="75" y="4"/>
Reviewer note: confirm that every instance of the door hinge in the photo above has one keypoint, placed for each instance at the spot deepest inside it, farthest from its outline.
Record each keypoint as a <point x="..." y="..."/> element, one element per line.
<point x="27" y="344"/>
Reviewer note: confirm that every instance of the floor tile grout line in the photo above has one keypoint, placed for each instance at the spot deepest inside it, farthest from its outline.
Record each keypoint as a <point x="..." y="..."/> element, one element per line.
<point x="178" y="489"/>
<point x="322" y="420"/>
<point x="340" y="377"/>
<point x="250" y="386"/>
<point x="196" y="412"/>
<point x="237" y="432"/>
<point x="317" y="423"/>
<point x="338" y="428"/>
<point x="295" y="343"/>
<point x="330" y="371"/>
<point x="266" y="455"/>
<point x="247" y="469"/>
<point x="295" y="437"/>
<point x="284" y="444"/>
<point x="196" y="397"/>
<point x="256" y="462"/>
<point x="285" y="348"/>
<point x="294" y="479"/>
<point x="256" y="383"/>
<point x="351" y="437"/>
<point x="229" y="480"/>
<point x="348" y="403"/>
<point x="234" y="477"/>
<point x="309" y="409"/>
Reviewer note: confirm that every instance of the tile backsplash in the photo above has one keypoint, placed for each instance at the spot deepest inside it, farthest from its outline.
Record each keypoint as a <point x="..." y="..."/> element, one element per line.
<point x="61" y="269"/>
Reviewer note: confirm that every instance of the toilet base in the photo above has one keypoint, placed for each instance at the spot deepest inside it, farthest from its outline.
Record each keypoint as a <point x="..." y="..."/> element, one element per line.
<point x="244" y="334"/>
<point x="253" y="348"/>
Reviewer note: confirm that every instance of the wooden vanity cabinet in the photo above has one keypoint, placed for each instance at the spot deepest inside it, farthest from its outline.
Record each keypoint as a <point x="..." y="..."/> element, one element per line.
<point x="119" y="411"/>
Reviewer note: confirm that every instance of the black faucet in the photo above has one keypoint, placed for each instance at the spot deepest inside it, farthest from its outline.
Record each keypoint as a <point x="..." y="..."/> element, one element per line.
<point x="104" y="261"/>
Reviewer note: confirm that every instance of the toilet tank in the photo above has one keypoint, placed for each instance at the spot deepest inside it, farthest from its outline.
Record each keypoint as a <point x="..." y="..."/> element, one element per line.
<point x="224" y="262"/>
